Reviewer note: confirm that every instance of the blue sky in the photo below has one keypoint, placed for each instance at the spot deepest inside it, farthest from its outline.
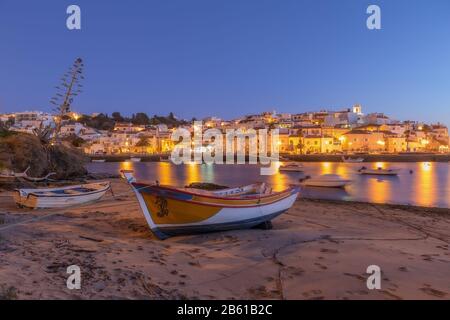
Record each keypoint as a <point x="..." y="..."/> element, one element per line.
<point x="230" y="57"/>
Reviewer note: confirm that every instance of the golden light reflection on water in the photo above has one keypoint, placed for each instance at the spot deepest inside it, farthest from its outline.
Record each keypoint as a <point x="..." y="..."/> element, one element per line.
<point x="326" y="168"/>
<point x="379" y="190"/>
<point x="165" y="173"/>
<point x="279" y="181"/>
<point x="425" y="182"/>
<point x="126" y="165"/>
<point x="382" y="165"/>
<point x="193" y="173"/>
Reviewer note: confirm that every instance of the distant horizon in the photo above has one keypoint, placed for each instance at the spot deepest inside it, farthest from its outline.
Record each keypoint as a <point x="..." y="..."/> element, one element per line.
<point x="231" y="58"/>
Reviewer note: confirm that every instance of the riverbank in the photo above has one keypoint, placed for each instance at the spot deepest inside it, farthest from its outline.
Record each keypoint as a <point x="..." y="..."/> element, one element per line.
<point x="317" y="250"/>
<point x="407" y="157"/>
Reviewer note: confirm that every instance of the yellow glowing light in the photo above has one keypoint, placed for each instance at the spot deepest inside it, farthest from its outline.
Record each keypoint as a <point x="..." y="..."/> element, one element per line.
<point x="426" y="166"/>
<point x="425" y="142"/>
<point x="381" y="165"/>
<point x="342" y="139"/>
<point x="381" y="143"/>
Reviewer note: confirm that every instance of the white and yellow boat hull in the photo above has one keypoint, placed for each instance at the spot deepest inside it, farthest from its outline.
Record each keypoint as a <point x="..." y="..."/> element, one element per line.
<point x="171" y="211"/>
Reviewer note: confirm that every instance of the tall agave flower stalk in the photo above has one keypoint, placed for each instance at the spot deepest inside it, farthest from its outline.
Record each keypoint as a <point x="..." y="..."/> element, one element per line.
<point x="69" y="87"/>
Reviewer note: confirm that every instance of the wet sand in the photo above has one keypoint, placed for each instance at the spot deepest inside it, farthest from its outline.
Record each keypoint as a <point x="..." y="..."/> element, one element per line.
<point x="317" y="250"/>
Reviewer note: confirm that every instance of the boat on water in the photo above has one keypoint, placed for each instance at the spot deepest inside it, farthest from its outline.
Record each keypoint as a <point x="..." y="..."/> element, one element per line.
<point x="172" y="211"/>
<point x="161" y="159"/>
<point x="326" y="181"/>
<point x="98" y="160"/>
<point x="60" y="197"/>
<point x="379" y="172"/>
<point x="352" y="160"/>
<point x="134" y="159"/>
<point x="291" y="167"/>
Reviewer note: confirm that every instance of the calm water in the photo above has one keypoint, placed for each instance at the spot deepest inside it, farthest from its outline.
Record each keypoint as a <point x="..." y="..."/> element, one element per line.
<point x="428" y="185"/>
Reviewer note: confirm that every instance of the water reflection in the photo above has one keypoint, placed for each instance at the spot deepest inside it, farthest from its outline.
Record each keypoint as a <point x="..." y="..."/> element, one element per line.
<point x="424" y="184"/>
<point x="379" y="189"/>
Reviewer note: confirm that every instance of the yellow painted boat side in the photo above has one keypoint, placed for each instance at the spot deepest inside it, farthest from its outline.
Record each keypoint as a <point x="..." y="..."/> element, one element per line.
<point x="171" y="211"/>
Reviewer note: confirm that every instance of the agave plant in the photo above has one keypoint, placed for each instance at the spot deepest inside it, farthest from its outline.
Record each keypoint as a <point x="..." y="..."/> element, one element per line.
<point x="69" y="87"/>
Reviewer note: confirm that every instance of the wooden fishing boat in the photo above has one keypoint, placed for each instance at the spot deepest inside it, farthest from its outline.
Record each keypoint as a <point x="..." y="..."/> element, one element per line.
<point x="326" y="181"/>
<point x="291" y="167"/>
<point x="379" y="172"/>
<point x="354" y="160"/>
<point x="173" y="211"/>
<point x="60" y="197"/>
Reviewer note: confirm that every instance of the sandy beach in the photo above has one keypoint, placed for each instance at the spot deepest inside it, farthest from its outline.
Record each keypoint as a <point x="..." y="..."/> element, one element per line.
<point x="317" y="250"/>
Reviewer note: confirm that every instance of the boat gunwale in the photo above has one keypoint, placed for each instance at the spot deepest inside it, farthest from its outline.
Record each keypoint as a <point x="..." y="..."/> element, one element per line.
<point x="288" y="193"/>
<point x="247" y="197"/>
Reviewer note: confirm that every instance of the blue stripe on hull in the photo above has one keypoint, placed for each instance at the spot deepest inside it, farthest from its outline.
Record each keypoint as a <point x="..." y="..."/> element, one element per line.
<point x="166" y="232"/>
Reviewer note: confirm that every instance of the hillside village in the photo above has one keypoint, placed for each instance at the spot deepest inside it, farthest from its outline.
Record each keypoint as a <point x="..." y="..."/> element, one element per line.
<point x="322" y="132"/>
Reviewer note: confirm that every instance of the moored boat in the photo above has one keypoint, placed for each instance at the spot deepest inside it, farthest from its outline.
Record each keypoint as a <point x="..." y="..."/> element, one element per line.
<point x="134" y="159"/>
<point x="326" y="181"/>
<point x="352" y="160"/>
<point x="98" y="160"/>
<point x="291" y="167"/>
<point x="379" y="172"/>
<point x="60" y="197"/>
<point x="171" y="211"/>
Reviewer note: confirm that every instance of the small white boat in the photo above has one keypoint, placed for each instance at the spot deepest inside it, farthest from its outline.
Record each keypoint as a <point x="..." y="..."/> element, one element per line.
<point x="379" y="172"/>
<point x="98" y="160"/>
<point x="133" y="159"/>
<point x="354" y="160"/>
<point x="326" y="181"/>
<point x="60" y="197"/>
<point x="291" y="167"/>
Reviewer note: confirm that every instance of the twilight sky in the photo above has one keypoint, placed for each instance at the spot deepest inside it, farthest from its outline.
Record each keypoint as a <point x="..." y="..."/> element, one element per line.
<point x="230" y="57"/>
